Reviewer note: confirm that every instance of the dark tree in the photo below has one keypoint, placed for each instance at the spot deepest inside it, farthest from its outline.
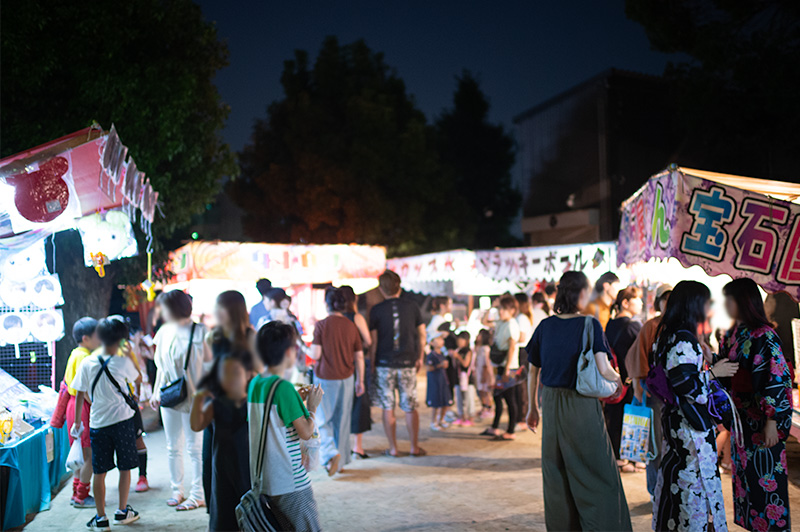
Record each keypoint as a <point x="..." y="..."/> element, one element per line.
<point x="737" y="87"/>
<point x="146" y="66"/>
<point x="345" y="156"/>
<point x="480" y="156"/>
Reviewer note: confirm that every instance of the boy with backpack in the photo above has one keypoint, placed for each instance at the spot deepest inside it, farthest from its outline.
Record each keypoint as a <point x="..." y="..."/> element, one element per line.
<point x="103" y="379"/>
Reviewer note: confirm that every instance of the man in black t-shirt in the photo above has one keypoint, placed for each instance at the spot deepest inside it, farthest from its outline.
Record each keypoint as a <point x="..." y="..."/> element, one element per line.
<point x="398" y="341"/>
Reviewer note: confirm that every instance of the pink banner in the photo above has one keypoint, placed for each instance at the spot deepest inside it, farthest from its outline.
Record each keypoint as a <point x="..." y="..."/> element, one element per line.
<point x="719" y="227"/>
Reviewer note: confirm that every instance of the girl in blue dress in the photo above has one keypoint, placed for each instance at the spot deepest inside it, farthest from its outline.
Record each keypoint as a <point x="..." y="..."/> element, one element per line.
<point x="438" y="395"/>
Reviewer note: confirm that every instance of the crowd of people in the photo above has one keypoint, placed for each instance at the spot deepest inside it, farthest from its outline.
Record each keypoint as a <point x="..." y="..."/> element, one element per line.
<point x="230" y="398"/>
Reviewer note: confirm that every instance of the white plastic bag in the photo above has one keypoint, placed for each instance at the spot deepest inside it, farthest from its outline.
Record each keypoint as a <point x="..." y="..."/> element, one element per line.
<point x="309" y="451"/>
<point x="75" y="456"/>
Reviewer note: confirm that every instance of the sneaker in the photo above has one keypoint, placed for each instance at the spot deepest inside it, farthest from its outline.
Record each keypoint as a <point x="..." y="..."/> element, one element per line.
<point x="142" y="485"/>
<point x="123" y="517"/>
<point x="436" y="427"/>
<point x="457" y="423"/>
<point x="88" y="502"/>
<point x="444" y="425"/>
<point x="449" y="415"/>
<point x="98" y="523"/>
<point x="467" y="423"/>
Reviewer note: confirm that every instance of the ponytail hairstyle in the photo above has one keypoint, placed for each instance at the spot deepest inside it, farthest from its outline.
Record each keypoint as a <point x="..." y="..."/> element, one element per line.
<point x="626" y="294"/>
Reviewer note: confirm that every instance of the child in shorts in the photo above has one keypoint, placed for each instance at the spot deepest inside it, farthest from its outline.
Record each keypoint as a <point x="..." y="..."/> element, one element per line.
<point x="103" y="379"/>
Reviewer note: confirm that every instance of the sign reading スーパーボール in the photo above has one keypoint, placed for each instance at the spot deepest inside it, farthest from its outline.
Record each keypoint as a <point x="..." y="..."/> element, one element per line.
<point x="722" y="228"/>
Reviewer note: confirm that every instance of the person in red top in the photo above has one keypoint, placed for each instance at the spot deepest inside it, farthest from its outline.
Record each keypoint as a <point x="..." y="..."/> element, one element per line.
<point x="339" y="354"/>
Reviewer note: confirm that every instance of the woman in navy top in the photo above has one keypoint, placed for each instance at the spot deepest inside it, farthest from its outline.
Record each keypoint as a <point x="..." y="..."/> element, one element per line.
<point x="582" y="487"/>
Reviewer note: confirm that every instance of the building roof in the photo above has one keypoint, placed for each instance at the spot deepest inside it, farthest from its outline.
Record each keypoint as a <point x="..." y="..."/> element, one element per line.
<point x="604" y="75"/>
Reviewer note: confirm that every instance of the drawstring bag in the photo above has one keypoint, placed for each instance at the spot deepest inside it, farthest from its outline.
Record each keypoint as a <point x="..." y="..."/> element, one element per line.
<point x="638" y="442"/>
<point x="590" y="382"/>
<point x="723" y="411"/>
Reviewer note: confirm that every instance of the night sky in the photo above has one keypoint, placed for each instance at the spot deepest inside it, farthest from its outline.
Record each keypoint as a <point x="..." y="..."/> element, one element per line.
<point x="523" y="52"/>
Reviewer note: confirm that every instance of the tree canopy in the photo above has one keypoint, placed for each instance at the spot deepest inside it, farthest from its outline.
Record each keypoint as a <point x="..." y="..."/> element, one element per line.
<point x="347" y="156"/>
<point x="146" y="66"/>
<point x="480" y="155"/>
<point x="736" y="80"/>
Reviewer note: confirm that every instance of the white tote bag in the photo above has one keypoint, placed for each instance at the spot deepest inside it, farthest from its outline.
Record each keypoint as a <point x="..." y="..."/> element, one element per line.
<point x="590" y="382"/>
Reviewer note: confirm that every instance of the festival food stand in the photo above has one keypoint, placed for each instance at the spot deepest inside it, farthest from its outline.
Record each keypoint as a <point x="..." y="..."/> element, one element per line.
<point x="84" y="181"/>
<point x="719" y="224"/>
<point x="204" y="269"/>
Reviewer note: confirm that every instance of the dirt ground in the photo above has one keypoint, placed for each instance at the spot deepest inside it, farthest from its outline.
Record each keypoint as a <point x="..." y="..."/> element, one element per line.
<point x="467" y="482"/>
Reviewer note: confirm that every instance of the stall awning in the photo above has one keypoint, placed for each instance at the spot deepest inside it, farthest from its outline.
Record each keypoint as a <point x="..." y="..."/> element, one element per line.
<point x="734" y="225"/>
<point x="45" y="189"/>
<point x="448" y="273"/>
<point x="283" y="264"/>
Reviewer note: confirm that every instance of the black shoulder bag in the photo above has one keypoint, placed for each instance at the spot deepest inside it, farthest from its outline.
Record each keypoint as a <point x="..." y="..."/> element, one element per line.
<point x="175" y="392"/>
<point x="129" y="399"/>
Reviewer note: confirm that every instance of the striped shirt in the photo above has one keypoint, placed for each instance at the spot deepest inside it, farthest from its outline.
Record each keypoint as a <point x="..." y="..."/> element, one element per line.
<point x="283" y="471"/>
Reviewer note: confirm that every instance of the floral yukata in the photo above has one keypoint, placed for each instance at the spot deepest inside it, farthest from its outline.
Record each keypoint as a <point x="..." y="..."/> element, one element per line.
<point x="689" y="490"/>
<point x="761" y="390"/>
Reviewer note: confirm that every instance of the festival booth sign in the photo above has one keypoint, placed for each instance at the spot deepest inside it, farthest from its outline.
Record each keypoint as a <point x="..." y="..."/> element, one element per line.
<point x="204" y="269"/>
<point x="446" y="273"/>
<point x="529" y="267"/>
<point x="83" y="180"/>
<point x="727" y="226"/>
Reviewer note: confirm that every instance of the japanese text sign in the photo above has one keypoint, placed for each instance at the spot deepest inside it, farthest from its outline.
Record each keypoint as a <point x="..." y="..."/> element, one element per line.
<point x="721" y="228"/>
<point x="546" y="263"/>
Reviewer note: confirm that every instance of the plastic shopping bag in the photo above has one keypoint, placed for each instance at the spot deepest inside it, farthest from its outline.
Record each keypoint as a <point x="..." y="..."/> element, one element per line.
<point x="75" y="456"/>
<point x="309" y="452"/>
<point x="637" y="423"/>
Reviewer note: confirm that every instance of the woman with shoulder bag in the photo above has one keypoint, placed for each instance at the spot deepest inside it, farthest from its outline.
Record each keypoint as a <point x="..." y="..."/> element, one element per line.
<point x="582" y="486"/>
<point x="179" y="357"/>
<point x="688" y="494"/>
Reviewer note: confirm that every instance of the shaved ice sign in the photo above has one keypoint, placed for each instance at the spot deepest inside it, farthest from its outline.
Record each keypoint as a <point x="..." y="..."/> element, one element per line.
<point x="721" y="228"/>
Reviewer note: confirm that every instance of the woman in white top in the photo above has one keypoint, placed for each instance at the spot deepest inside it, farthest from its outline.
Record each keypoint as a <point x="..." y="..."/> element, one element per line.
<point x="540" y="309"/>
<point x="172" y="343"/>
<point x="440" y="307"/>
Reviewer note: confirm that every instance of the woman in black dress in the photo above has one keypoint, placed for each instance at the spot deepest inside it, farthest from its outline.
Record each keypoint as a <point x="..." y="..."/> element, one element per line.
<point x="621" y="332"/>
<point x="361" y="420"/>
<point x="221" y="403"/>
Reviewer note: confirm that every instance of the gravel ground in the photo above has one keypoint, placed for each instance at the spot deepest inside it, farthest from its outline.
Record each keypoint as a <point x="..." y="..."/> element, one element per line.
<point x="465" y="483"/>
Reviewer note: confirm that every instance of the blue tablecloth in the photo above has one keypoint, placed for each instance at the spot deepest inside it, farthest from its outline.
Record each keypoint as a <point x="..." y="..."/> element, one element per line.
<point x="31" y="478"/>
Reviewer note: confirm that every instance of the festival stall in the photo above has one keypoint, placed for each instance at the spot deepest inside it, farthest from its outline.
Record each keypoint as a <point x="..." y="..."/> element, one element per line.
<point x="446" y="273"/>
<point x="685" y="224"/>
<point x="84" y="181"/>
<point x="204" y="269"/>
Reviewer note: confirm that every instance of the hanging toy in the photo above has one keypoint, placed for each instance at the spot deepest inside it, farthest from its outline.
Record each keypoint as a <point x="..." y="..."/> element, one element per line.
<point x="147" y="285"/>
<point x="99" y="261"/>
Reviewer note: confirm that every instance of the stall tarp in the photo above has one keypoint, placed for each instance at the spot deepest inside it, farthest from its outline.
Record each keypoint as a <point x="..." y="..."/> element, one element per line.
<point x="725" y="224"/>
<point x="283" y="264"/>
<point x="547" y="263"/>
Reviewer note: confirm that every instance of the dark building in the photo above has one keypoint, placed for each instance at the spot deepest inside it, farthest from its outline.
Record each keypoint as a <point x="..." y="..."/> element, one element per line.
<point x="585" y="151"/>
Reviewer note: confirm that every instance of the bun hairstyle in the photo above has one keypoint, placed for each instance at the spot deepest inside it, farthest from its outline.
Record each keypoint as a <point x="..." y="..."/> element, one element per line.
<point x="336" y="300"/>
<point x="626" y="294"/>
<point x="349" y="296"/>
